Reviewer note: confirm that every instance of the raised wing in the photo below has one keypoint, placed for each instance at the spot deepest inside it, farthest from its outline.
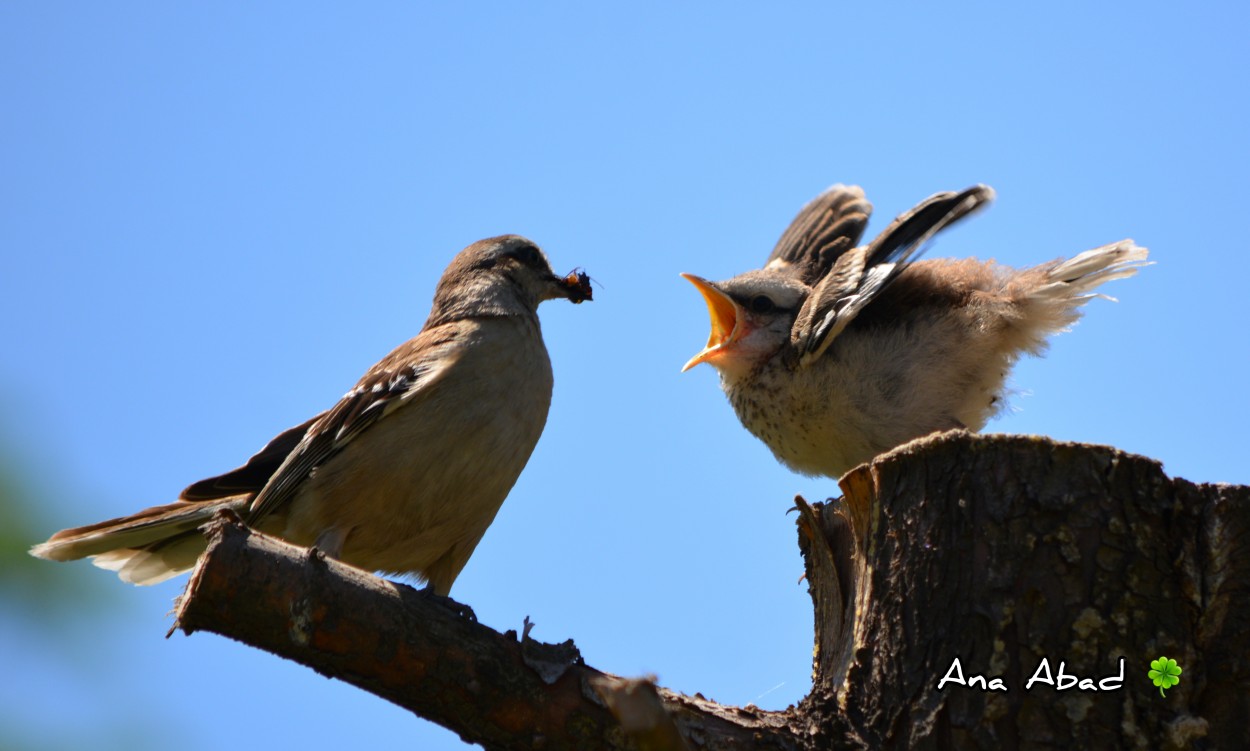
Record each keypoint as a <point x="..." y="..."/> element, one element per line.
<point x="859" y="275"/>
<point x="828" y="226"/>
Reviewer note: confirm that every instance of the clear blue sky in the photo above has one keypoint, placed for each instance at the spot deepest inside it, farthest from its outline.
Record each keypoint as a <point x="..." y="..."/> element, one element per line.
<point x="213" y="219"/>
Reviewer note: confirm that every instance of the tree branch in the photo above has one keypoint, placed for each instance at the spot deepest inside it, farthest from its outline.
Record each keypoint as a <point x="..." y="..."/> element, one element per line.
<point x="957" y="556"/>
<point x="428" y="654"/>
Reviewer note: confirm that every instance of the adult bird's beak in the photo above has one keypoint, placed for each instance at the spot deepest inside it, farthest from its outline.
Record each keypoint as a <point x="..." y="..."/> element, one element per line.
<point x="726" y="320"/>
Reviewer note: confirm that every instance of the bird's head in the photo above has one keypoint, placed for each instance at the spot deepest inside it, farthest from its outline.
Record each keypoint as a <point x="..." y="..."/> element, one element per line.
<point x="751" y="314"/>
<point x="500" y="276"/>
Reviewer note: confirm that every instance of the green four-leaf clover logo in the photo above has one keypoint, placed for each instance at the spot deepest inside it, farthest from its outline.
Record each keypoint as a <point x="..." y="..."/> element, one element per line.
<point x="1165" y="673"/>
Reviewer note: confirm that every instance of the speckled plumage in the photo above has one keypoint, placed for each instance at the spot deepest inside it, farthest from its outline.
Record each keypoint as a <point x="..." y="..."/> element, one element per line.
<point x="838" y="352"/>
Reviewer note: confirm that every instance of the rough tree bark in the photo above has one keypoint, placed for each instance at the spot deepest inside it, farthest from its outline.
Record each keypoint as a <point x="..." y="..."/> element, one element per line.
<point x="1000" y="552"/>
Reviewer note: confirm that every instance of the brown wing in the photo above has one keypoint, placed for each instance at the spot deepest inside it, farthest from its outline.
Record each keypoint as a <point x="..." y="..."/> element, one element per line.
<point x="857" y="277"/>
<point x="909" y="230"/>
<point x="253" y="475"/>
<point x="823" y="230"/>
<point x="411" y="367"/>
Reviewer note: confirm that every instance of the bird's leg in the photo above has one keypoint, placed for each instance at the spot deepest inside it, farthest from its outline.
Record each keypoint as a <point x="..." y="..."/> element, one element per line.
<point x="459" y="608"/>
<point x="331" y="542"/>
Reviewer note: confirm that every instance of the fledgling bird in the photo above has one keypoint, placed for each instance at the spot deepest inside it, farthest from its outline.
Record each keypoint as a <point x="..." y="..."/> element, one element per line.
<point x="835" y="352"/>
<point x="405" y="473"/>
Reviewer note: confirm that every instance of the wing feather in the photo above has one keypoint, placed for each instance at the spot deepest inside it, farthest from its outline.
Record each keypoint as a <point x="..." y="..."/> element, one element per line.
<point x="828" y="226"/>
<point x="253" y="475"/>
<point x="857" y="277"/>
<point x="412" y="368"/>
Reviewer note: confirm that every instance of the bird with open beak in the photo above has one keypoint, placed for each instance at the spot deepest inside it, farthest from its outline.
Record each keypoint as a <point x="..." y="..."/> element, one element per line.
<point x="835" y="352"/>
<point x="405" y="473"/>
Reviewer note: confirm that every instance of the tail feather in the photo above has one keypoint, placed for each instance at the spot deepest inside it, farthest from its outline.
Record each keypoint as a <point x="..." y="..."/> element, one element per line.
<point x="1076" y="277"/>
<point x="1051" y="295"/>
<point x="143" y="548"/>
<point x="154" y="564"/>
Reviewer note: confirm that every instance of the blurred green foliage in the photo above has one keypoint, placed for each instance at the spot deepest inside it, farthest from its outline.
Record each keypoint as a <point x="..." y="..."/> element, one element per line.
<point x="32" y="589"/>
<point x="53" y="611"/>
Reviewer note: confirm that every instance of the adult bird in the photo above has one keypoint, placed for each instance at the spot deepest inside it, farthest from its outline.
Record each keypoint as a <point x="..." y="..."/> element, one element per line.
<point x="835" y="352"/>
<point x="405" y="473"/>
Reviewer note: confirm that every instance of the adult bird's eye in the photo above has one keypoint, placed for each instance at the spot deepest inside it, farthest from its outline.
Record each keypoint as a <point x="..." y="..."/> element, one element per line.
<point x="762" y="304"/>
<point x="528" y="255"/>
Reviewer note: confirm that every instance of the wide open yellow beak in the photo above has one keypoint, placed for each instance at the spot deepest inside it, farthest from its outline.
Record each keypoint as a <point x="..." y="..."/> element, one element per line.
<point x="726" y="320"/>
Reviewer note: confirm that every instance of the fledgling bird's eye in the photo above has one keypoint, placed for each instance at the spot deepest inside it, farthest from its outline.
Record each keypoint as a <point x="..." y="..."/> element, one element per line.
<point x="762" y="304"/>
